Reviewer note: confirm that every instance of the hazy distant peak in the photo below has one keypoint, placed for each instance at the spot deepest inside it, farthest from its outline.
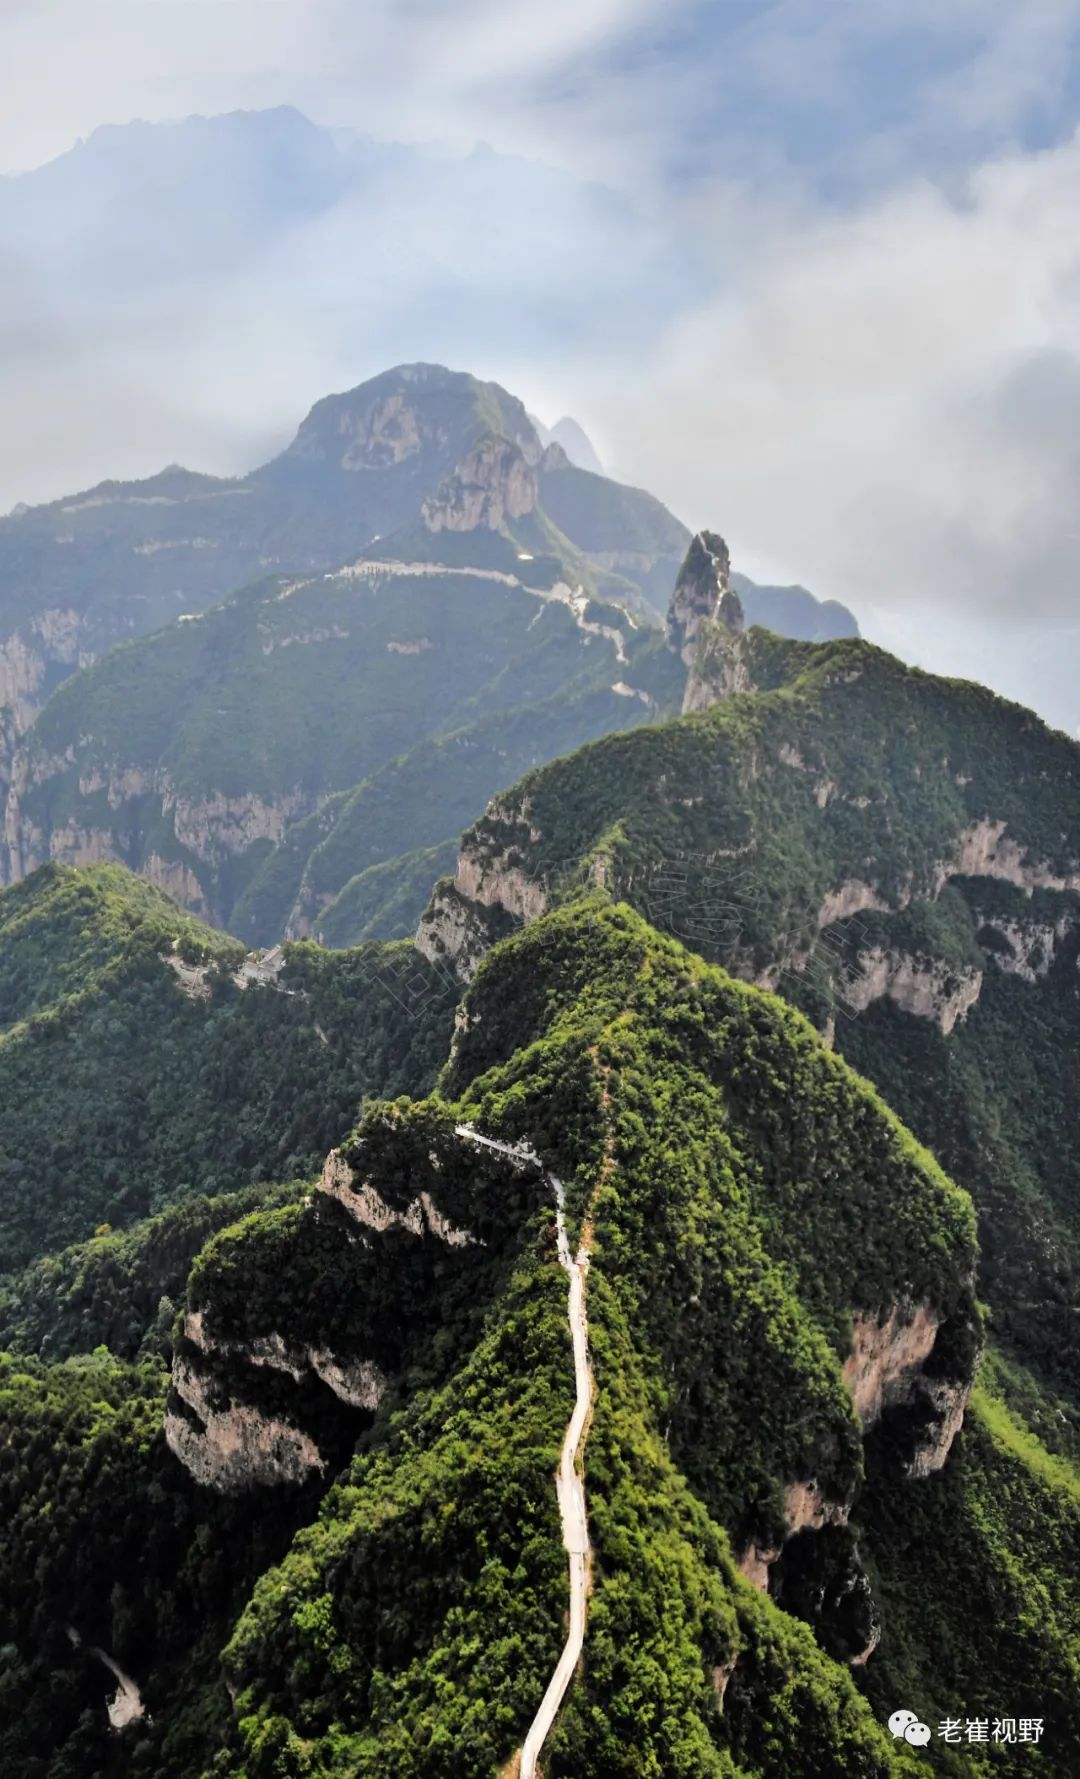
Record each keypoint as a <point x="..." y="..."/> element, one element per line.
<point x="577" y="444"/>
<point x="574" y="440"/>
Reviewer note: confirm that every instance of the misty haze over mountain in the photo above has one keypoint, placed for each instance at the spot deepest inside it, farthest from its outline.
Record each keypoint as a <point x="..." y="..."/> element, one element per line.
<point x="829" y="309"/>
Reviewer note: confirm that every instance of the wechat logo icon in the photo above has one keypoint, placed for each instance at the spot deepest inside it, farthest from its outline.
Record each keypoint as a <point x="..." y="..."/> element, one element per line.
<point x="907" y="1725"/>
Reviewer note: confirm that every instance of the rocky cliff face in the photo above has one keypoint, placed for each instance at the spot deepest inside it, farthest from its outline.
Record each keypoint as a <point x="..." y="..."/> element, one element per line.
<point x="702" y="587"/>
<point x="500" y="882"/>
<point x="885" y="1373"/>
<point x="233" y="1435"/>
<point x="1026" y="947"/>
<point x="922" y="986"/>
<point x="204" y="833"/>
<point x="229" y="1445"/>
<point x="416" y="411"/>
<point x="50" y="639"/>
<point x="705" y="625"/>
<point x="366" y="1205"/>
<point x="987" y="849"/>
<point x="375" y="1256"/>
<point x="493" y="485"/>
<point x="32" y="658"/>
<point x="701" y="584"/>
<point x="490" y="893"/>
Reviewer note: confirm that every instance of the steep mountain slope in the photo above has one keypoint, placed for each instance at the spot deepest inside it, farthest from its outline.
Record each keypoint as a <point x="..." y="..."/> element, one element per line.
<point x="192" y="754"/>
<point x="144" y="1058"/>
<point x="413" y="1626"/>
<point x="258" y="759"/>
<point x="898" y="854"/>
<point x="189" y="754"/>
<point x="418" y="447"/>
<point x="783" y="1337"/>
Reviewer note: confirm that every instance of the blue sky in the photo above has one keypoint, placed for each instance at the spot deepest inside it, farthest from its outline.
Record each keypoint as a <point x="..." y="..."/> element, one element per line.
<point x="839" y="318"/>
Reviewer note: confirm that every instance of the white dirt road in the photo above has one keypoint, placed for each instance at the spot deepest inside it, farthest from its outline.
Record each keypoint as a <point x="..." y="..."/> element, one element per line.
<point x="569" y="1486"/>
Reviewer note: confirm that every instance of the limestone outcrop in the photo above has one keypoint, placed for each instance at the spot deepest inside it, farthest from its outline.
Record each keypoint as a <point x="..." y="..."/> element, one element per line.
<point x="227" y="1440"/>
<point x="921" y="985"/>
<point x="492" y="485"/>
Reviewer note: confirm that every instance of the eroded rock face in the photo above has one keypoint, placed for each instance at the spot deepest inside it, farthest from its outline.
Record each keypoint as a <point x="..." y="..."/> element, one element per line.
<point x="885" y="1355"/>
<point x="233" y="1446"/>
<point x="853" y="896"/>
<point x="386" y="432"/>
<point x="917" y="985"/>
<point x="230" y="1444"/>
<point x="496" y="882"/>
<point x="705" y="625"/>
<point x="211" y="830"/>
<point x="451" y="932"/>
<point x="1023" y="948"/>
<point x="359" y="1382"/>
<point x="985" y="849"/>
<point x="806" y="1508"/>
<point x="886" y="1369"/>
<point x="489" y="880"/>
<point x="53" y="636"/>
<point x="367" y="1206"/>
<point x="718" y="669"/>
<point x="492" y="485"/>
<point x="217" y="825"/>
<point x="701" y="585"/>
<point x="177" y="880"/>
<point x="821" y="1579"/>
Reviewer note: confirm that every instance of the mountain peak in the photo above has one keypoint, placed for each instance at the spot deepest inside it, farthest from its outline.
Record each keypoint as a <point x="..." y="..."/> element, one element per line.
<point x="572" y="439"/>
<point x="703" y="590"/>
<point x="417" y="410"/>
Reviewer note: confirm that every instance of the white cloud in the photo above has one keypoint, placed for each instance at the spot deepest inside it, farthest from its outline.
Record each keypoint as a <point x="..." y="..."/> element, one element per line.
<point x="885" y="403"/>
<point x="402" y="69"/>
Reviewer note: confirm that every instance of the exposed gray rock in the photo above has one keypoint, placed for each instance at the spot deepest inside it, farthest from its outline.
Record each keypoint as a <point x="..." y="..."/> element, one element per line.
<point x="699" y="591"/>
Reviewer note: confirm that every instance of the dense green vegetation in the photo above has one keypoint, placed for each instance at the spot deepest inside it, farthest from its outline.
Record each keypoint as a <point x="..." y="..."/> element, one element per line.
<point x="734" y="828"/>
<point x="258" y="754"/>
<point x="428" y="794"/>
<point x="994" y="1101"/>
<point x="690" y="1118"/>
<point x="978" y="1568"/>
<point x="386" y="901"/>
<point x="102" y="1532"/>
<point x="198" y="745"/>
<point x="745" y="1196"/>
<point x="864" y="768"/>
<point x="120" y="1290"/>
<point x="125" y="1094"/>
<point x="749" y="1202"/>
<point x="730" y="1120"/>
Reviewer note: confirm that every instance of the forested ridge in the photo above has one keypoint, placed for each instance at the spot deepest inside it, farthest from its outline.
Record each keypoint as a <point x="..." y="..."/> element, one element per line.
<point x="281" y="1440"/>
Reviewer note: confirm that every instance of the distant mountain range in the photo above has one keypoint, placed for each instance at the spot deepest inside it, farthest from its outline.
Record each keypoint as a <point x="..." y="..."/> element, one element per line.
<point x="260" y="757"/>
<point x="176" y="289"/>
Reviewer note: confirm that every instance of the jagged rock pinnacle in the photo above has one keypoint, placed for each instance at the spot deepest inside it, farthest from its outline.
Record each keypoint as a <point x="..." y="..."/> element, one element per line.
<point x="702" y="591"/>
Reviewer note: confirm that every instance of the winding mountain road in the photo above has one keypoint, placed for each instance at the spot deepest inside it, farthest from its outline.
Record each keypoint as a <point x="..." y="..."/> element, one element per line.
<point x="569" y="1487"/>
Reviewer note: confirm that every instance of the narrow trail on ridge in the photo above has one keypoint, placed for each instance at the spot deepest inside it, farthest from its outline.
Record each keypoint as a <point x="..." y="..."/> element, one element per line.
<point x="569" y="1487"/>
